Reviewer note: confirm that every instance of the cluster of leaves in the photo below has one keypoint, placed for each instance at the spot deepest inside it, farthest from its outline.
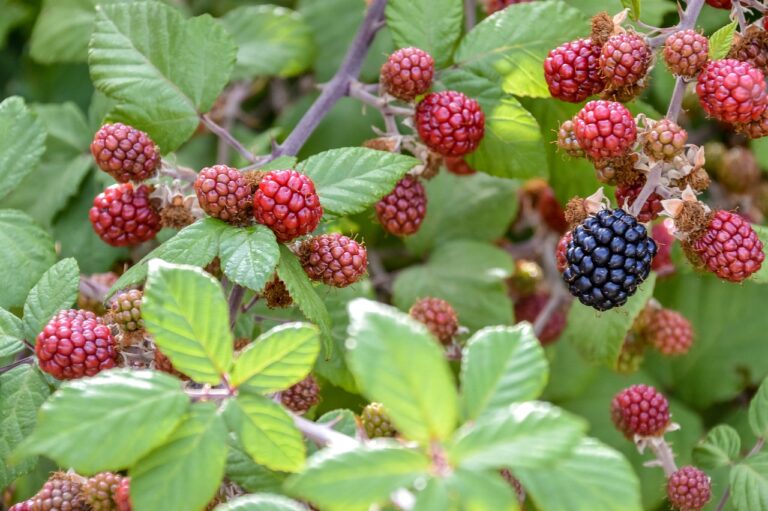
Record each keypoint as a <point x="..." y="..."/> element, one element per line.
<point x="159" y="67"/>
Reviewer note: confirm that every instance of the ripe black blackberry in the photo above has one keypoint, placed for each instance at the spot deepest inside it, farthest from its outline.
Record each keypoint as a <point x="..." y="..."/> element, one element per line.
<point x="609" y="256"/>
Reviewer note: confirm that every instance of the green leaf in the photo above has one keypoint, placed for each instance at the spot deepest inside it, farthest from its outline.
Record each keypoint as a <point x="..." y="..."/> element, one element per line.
<point x="339" y="480"/>
<point x="397" y="362"/>
<point x="522" y="435"/>
<point x="280" y="163"/>
<point x="185" y="311"/>
<point x="513" y="43"/>
<point x="721" y="41"/>
<point x="501" y="365"/>
<point x="56" y="290"/>
<point x="22" y="142"/>
<point x="266" y="432"/>
<point x="11" y="334"/>
<point x="343" y="421"/>
<point x="277" y="359"/>
<point x="599" y="335"/>
<point x="14" y="14"/>
<point x="188" y="467"/>
<point x="133" y="412"/>
<point x="430" y="25"/>
<point x="261" y="502"/>
<point x="749" y="484"/>
<point x="634" y="8"/>
<point x="248" y="255"/>
<point x="272" y="41"/>
<point x="303" y="292"/>
<point x="758" y="411"/>
<point x="22" y="390"/>
<point x="714" y="371"/>
<point x="251" y="476"/>
<point x="163" y="69"/>
<point x="593" y="477"/>
<point x="350" y="180"/>
<point x="720" y="447"/>
<point x="64" y="165"/>
<point x="31" y="250"/>
<point x="512" y="146"/>
<point x="761" y="275"/>
<point x="477" y="490"/>
<point x="477" y="207"/>
<point x="195" y="245"/>
<point x="479" y="296"/>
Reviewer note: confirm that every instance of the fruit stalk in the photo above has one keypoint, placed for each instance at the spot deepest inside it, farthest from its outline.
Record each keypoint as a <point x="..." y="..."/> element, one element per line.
<point x="470" y="14"/>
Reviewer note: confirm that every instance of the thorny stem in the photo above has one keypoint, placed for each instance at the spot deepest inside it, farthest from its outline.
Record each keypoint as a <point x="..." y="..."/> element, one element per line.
<point x="727" y="493"/>
<point x="676" y="103"/>
<point x="470" y="14"/>
<point x="337" y="88"/>
<point x="227" y="137"/>
<point x="234" y="98"/>
<point x="321" y="434"/>
<point x="26" y="360"/>
<point x="235" y="298"/>
<point x="664" y="455"/>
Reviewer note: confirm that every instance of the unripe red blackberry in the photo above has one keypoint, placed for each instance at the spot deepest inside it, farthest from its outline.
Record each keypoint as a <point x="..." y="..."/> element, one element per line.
<point x="754" y="129"/>
<point x="334" y="259"/>
<point x="407" y="73"/>
<point x="664" y="140"/>
<point x="224" y="193"/>
<point x="123" y="495"/>
<point x="689" y="489"/>
<point x="752" y="46"/>
<point x="123" y="216"/>
<point x="605" y="129"/>
<point x="125" y="153"/>
<point x="626" y="196"/>
<point x="572" y="71"/>
<point x="60" y="493"/>
<point x="624" y="59"/>
<point x="302" y="396"/>
<point x="74" y="344"/>
<point x="566" y="140"/>
<point x="126" y="310"/>
<point x="640" y="410"/>
<point x="458" y="166"/>
<point x="669" y="332"/>
<point x="376" y="422"/>
<point x="287" y="203"/>
<point x="404" y="208"/>
<point x="720" y="4"/>
<point x="492" y="6"/>
<point x="732" y="91"/>
<point x="662" y="264"/>
<point x="99" y="491"/>
<point x="729" y="247"/>
<point x="449" y="123"/>
<point x="438" y="315"/>
<point x="738" y="170"/>
<point x="21" y="506"/>
<point x="686" y="52"/>
<point x="528" y="309"/>
<point x="562" y="247"/>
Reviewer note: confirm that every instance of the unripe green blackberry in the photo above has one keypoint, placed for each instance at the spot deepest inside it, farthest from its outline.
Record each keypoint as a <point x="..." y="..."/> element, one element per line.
<point x="665" y="140"/>
<point x="126" y="310"/>
<point x="376" y="422"/>
<point x="566" y="140"/>
<point x="99" y="491"/>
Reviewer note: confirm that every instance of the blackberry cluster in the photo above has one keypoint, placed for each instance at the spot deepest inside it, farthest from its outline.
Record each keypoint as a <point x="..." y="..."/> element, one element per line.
<point x="302" y="396"/>
<point x="376" y="422"/>
<point x="640" y="410"/>
<point x="99" y="491"/>
<point x="609" y="256"/>
<point x="689" y="489"/>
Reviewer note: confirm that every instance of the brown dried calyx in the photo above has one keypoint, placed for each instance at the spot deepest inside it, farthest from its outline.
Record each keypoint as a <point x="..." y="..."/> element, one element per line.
<point x="276" y="294"/>
<point x="603" y="27"/>
<point x="432" y="166"/>
<point x="177" y="214"/>
<point x="578" y="209"/>
<point x="752" y="47"/>
<point x="627" y="93"/>
<point x="388" y="144"/>
<point x="691" y="216"/>
<point x="254" y="177"/>
<point x="618" y="171"/>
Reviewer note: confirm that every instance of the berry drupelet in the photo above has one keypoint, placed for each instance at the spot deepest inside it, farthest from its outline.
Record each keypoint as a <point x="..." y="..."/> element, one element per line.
<point x="407" y="73"/>
<point x="686" y="52"/>
<point x="125" y="153"/>
<point x="286" y="202"/>
<point x="729" y="247"/>
<point x="224" y="193"/>
<point x="640" y="410"/>
<point x="122" y="215"/>
<point x="732" y="91"/>
<point x="605" y="129"/>
<point x="572" y="71"/>
<point x="334" y="259"/>
<point x="404" y="208"/>
<point x="74" y="344"/>
<point x="624" y="59"/>
<point x="609" y="256"/>
<point x="689" y="489"/>
<point x="439" y="317"/>
<point x="449" y="123"/>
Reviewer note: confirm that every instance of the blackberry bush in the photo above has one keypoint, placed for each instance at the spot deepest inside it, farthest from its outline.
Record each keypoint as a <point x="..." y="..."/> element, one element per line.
<point x="255" y="208"/>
